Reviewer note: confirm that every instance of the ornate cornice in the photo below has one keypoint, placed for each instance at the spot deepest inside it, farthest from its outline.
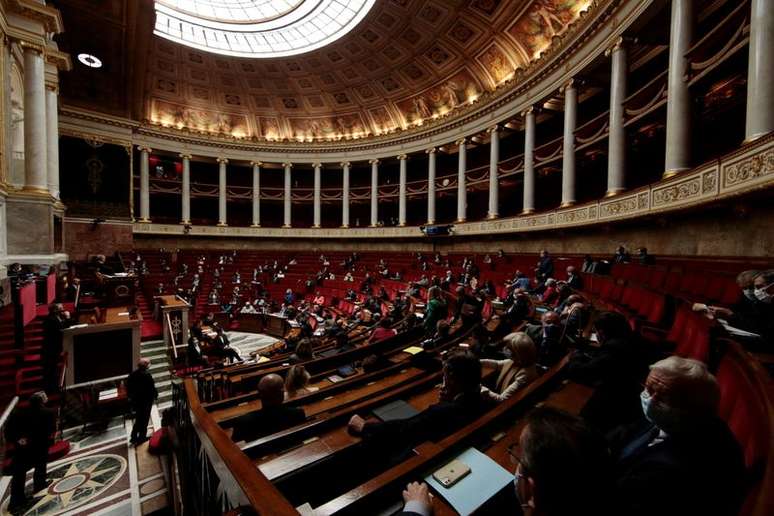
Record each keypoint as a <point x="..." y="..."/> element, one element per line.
<point x="34" y="10"/>
<point x="59" y="59"/>
<point x="749" y="169"/>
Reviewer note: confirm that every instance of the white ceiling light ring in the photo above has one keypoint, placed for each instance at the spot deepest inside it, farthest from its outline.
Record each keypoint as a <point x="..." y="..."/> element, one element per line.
<point x="90" y="60"/>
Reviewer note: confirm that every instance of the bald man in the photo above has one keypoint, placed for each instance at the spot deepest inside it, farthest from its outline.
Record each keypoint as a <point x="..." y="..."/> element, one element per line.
<point x="547" y="336"/>
<point x="141" y="390"/>
<point x="273" y="416"/>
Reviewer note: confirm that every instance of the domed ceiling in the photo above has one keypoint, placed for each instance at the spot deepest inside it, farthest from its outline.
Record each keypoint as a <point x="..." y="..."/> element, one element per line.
<point x="407" y="61"/>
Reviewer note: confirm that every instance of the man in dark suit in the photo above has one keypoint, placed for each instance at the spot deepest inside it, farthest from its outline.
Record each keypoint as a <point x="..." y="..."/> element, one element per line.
<point x="573" y="279"/>
<point x="547" y="336"/>
<point x="30" y="429"/>
<point x="683" y="459"/>
<point x="460" y="402"/>
<point x="141" y="389"/>
<point x="273" y="415"/>
<point x="545" y="267"/>
<point x="57" y="320"/>
<point x="616" y="370"/>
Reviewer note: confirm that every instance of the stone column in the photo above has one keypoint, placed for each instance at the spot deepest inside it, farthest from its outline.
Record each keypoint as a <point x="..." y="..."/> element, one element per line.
<point x="431" y="185"/>
<point x="678" y="123"/>
<point x="760" y="71"/>
<point x="529" y="161"/>
<point x="345" y="194"/>
<point x="568" y="144"/>
<point x="374" y="192"/>
<point x="288" y="199"/>
<point x="616" y="154"/>
<point x="317" y="188"/>
<point x="144" y="184"/>
<point x="186" y="216"/>
<point x="402" y="191"/>
<point x="222" y="193"/>
<point x="462" y="187"/>
<point x="52" y="135"/>
<point x="35" y="142"/>
<point x="256" y="193"/>
<point x="494" y="180"/>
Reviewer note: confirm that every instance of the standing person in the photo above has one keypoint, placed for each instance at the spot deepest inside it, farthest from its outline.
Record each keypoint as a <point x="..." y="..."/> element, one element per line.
<point x="30" y="430"/>
<point x="436" y="309"/>
<point x="142" y="393"/>
<point x="57" y="320"/>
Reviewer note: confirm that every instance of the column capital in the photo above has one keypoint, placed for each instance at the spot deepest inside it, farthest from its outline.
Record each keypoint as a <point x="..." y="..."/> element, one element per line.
<point x="402" y="157"/>
<point x="374" y="161"/>
<point x="144" y="148"/>
<point x="31" y="46"/>
<point x="461" y="141"/>
<point x="495" y="128"/>
<point x="431" y="150"/>
<point x="287" y="164"/>
<point x="570" y="84"/>
<point x="184" y="155"/>
<point x="222" y="161"/>
<point x="532" y="110"/>
<point x="619" y="43"/>
<point x="317" y="164"/>
<point x="51" y="86"/>
<point x="256" y="163"/>
<point x="345" y="164"/>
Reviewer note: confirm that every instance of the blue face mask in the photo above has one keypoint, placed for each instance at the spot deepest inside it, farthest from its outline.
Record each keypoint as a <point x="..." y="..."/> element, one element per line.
<point x="646" y="399"/>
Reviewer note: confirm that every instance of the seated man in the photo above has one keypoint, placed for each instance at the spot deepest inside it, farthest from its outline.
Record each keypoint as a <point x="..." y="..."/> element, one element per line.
<point x="563" y="469"/>
<point x="273" y="416"/>
<point x="573" y="279"/>
<point x="683" y="459"/>
<point x="460" y="402"/>
<point x="616" y="369"/>
<point x="548" y="338"/>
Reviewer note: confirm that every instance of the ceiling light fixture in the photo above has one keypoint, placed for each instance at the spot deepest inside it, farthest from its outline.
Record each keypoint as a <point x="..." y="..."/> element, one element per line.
<point x="90" y="60"/>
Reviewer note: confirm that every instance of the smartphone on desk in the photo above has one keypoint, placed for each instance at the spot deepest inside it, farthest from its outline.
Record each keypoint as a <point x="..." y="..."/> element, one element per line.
<point x="451" y="473"/>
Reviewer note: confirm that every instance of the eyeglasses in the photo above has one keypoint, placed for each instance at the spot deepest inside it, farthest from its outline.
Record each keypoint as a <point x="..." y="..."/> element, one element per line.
<point x="515" y="453"/>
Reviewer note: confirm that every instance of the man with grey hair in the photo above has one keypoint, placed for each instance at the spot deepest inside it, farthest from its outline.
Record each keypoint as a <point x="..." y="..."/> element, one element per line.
<point x="30" y="429"/>
<point x="141" y="389"/>
<point x="682" y="459"/>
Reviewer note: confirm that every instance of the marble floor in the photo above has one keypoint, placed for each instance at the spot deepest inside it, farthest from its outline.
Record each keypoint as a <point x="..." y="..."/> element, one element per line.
<point x="102" y="475"/>
<point x="248" y="343"/>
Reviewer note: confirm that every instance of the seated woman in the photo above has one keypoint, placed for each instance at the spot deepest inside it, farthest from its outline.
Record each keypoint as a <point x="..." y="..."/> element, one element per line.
<point x="515" y="372"/>
<point x="297" y="382"/>
<point x="304" y="352"/>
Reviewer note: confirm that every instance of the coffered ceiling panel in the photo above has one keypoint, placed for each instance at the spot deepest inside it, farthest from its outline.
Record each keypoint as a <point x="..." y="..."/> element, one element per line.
<point x="406" y="62"/>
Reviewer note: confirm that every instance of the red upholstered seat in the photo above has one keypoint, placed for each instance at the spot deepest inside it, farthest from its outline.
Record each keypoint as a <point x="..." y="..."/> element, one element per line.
<point x="742" y="408"/>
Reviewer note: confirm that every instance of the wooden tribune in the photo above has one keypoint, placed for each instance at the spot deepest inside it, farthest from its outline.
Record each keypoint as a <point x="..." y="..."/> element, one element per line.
<point x="104" y="351"/>
<point x="174" y="320"/>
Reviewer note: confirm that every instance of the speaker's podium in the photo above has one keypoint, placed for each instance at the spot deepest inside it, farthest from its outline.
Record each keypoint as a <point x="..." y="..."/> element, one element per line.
<point x="105" y="351"/>
<point x="174" y="318"/>
<point x="118" y="289"/>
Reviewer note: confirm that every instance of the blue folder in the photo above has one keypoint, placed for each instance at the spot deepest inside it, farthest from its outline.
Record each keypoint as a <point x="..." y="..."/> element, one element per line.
<point x="486" y="479"/>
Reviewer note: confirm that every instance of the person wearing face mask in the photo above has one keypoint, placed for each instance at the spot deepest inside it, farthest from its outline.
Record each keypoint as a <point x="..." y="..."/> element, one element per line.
<point x="682" y="459"/>
<point x="754" y="312"/>
<point x="615" y="369"/>
<point x="563" y="467"/>
<point x="547" y="336"/>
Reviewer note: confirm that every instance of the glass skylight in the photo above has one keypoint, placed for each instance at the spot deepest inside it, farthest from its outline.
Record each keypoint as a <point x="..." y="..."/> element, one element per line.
<point x="258" y="28"/>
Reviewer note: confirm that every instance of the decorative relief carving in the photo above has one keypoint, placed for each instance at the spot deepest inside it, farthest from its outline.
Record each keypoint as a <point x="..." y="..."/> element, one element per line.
<point x="748" y="169"/>
<point x="709" y="182"/>
<point x="682" y="191"/>
<point x="619" y="207"/>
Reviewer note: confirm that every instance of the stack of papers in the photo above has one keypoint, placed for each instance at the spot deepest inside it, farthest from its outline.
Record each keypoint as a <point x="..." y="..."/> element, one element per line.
<point x="413" y="350"/>
<point x="108" y="394"/>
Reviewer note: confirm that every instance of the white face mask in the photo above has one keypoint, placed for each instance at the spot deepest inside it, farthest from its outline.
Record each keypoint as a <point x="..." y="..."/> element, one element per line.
<point x="645" y="400"/>
<point x="762" y="294"/>
<point x="749" y="293"/>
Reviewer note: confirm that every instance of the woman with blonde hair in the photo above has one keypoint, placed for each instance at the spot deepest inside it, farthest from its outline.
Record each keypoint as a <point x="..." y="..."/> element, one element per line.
<point x="515" y="372"/>
<point x="297" y="381"/>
